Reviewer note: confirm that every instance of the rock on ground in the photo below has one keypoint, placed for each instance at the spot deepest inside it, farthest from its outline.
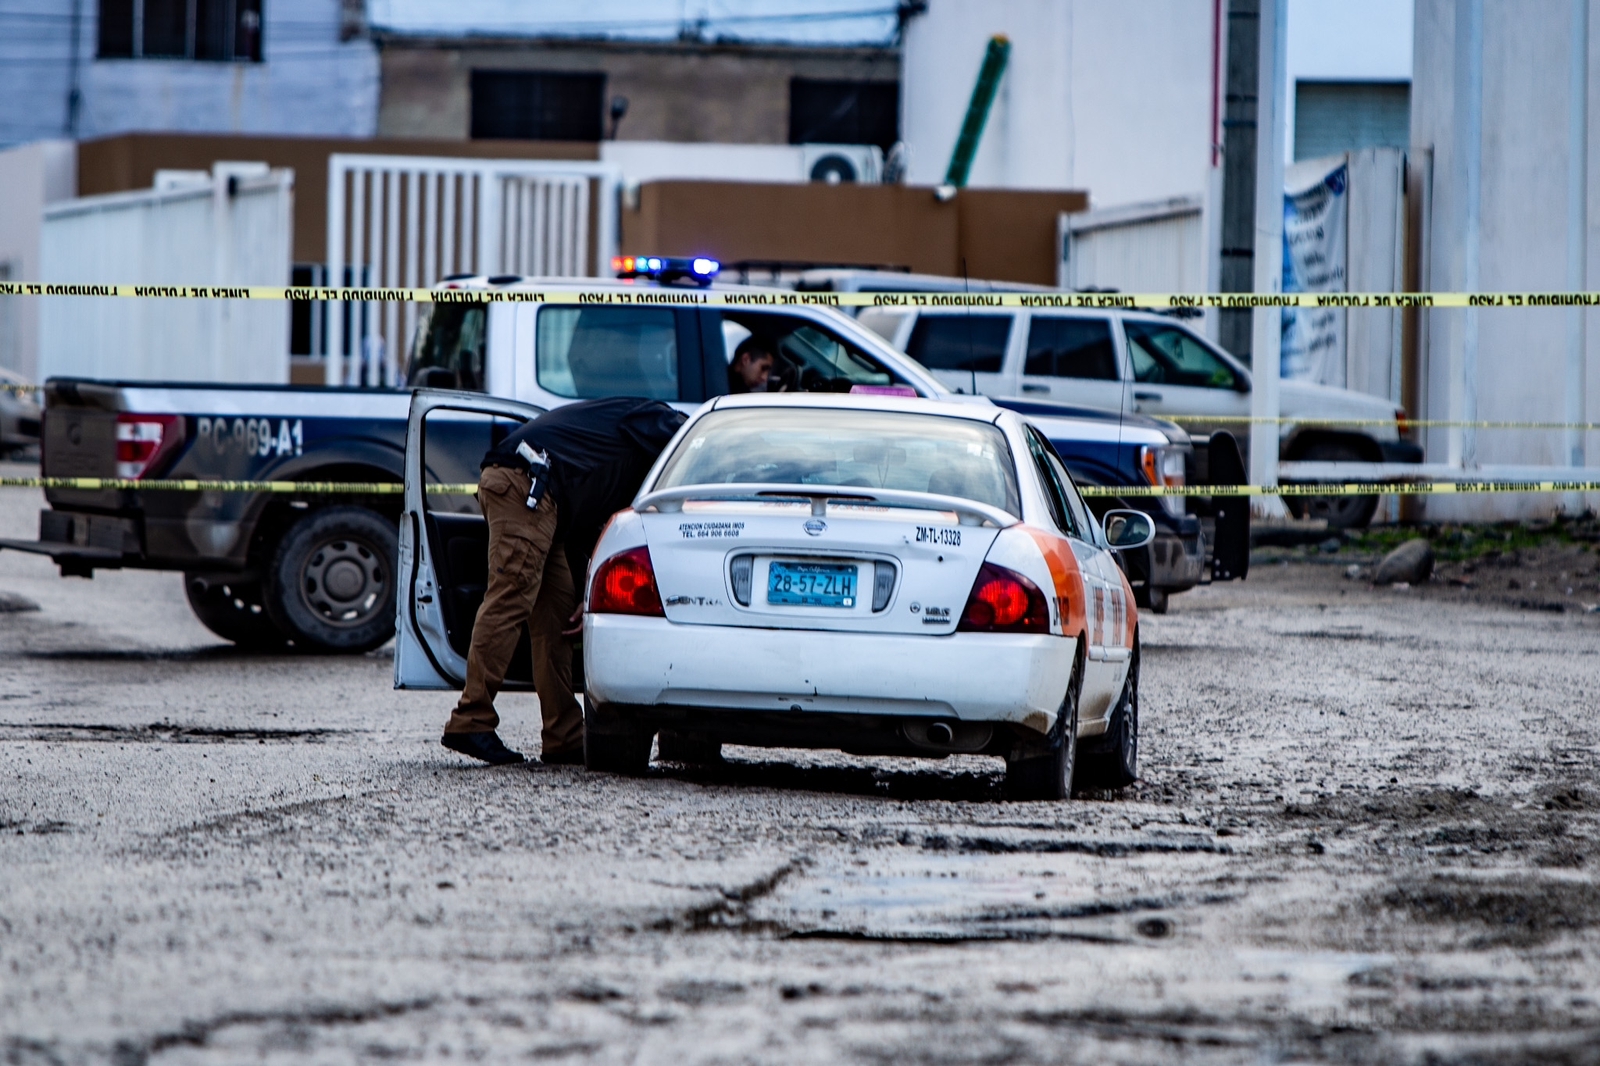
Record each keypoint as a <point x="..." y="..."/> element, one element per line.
<point x="1411" y="562"/>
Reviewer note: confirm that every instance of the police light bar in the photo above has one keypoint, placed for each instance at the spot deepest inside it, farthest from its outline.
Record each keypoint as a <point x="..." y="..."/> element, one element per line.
<point x="666" y="269"/>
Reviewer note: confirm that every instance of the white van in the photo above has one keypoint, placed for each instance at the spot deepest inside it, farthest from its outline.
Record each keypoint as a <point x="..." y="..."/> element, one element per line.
<point x="1130" y="361"/>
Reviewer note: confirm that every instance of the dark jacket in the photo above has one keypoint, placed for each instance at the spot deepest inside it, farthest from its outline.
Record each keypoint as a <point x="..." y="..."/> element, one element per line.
<point x="600" y="451"/>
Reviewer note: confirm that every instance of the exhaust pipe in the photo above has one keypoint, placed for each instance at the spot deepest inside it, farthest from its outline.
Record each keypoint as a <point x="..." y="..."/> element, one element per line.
<point x="940" y="733"/>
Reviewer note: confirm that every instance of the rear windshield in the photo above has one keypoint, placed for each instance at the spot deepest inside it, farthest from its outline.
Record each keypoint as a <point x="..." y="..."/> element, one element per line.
<point x="860" y="449"/>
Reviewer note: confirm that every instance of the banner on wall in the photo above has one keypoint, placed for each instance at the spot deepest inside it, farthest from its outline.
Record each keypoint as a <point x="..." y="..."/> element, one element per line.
<point x="1315" y="217"/>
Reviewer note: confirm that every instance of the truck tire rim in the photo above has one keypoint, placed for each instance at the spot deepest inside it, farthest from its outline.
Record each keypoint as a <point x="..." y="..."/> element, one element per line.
<point x="344" y="581"/>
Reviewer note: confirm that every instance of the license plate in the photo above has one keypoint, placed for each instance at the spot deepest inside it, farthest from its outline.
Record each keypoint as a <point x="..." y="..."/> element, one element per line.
<point x="811" y="585"/>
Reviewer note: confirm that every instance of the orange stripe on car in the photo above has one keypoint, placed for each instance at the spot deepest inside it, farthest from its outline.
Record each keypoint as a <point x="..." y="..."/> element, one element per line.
<point x="1063" y="566"/>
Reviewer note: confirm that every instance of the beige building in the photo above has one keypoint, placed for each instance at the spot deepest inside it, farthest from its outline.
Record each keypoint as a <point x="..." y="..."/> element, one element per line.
<point x="682" y="91"/>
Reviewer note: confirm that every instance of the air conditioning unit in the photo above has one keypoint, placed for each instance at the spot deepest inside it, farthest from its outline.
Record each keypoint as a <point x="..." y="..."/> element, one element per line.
<point x="842" y="164"/>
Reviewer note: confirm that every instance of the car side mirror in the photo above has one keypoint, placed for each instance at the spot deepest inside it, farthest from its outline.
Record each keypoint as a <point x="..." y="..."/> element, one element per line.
<point x="1128" y="529"/>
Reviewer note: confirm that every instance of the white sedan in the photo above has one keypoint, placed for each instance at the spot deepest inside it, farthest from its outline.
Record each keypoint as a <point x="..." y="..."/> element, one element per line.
<point x="878" y="574"/>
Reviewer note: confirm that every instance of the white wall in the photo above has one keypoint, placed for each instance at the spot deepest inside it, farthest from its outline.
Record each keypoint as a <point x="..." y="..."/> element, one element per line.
<point x="309" y="82"/>
<point x="198" y="235"/>
<point x="1109" y="97"/>
<point x="31" y="176"/>
<point x="1345" y="40"/>
<point x="1527" y="237"/>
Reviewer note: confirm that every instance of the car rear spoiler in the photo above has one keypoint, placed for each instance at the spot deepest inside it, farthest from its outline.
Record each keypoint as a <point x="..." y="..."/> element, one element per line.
<point x="968" y="512"/>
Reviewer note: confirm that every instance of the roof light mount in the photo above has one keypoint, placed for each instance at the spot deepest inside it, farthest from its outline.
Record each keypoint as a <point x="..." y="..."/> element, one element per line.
<point x="697" y="270"/>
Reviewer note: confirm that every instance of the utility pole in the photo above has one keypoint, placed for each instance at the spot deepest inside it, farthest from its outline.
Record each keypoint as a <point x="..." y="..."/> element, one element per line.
<point x="1268" y="257"/>
<point x="1238" y="230"/>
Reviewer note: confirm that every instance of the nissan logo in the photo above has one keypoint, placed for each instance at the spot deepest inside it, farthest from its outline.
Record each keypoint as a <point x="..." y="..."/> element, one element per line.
<point x="815" y="526"/>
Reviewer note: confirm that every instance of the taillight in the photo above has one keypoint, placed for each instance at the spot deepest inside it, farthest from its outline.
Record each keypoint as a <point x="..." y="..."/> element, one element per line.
<point x="1402" y="424"/>
<point x="1003" y="601"/>
<point x="1162" y="466"/>
<point x="144" y="440"/>
<point x="626" y="584"/>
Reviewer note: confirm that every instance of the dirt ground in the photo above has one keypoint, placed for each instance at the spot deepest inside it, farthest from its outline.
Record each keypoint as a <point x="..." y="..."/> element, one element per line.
<point x="1368" y="830"/>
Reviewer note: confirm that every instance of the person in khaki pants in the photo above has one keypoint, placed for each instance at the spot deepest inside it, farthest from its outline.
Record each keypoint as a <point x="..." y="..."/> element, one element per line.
<point x="546" y="492"/>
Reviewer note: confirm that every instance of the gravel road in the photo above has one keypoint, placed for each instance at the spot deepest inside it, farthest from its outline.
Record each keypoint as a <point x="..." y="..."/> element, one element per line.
<point x="1369" y="830"/>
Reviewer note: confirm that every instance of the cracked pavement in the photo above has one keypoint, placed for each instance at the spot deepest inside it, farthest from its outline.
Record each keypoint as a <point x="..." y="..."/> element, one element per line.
<point x="1368" y="829"/>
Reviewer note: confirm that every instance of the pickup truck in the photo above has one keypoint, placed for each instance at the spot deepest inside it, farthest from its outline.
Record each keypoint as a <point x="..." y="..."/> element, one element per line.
<point x="318" y="571"/>
<point x="1138" y="361"/>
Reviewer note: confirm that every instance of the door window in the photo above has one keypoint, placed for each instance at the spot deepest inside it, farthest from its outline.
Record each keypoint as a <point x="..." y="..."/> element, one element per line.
<point x="590" y="352"/>
<point x="805" y="357"/>
<point x="1166" y="355"/>
<point x="1054" y="493"/>
<point x="967" y="343"/>
<point x="1071" y="348"/>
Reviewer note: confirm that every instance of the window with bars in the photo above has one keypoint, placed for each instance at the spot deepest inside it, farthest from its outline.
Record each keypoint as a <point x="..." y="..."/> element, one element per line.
<point x="537" y="105"/>
<point x="218" y="30"/>
<point x="844" y="112"/>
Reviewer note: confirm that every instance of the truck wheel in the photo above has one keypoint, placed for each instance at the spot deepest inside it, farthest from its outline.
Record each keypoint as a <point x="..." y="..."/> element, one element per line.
<point x="673" y="746"/>
<point x="331" y="583"/>
<point x="1152" y="599"/>
<point x="1342" y="512"/>
<point x="233" y="612"/>
<point x="1112" y="760"/>
<point x="613" y="743"/>
<point x="1048" y="775"/>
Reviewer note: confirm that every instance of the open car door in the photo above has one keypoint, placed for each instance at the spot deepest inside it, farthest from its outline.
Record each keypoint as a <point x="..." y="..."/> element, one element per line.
<point x="444" y="540"/>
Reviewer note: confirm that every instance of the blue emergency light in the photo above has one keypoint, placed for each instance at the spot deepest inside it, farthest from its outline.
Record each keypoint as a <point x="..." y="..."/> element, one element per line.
<point x="666" y="269"/>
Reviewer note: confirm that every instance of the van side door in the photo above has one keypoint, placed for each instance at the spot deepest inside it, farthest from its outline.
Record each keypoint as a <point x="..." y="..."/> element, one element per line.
<point x="1071" y="358"/>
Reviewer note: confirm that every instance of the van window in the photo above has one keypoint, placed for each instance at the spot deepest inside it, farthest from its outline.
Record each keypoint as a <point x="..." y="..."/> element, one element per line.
<point x="590" y="352"/>
<point x="882" y="321"/>
<point x="969" y="343"/>
<point x="1166" y="355"/>
<point x="1071" y="348"/>
<point x="447" y="352"/>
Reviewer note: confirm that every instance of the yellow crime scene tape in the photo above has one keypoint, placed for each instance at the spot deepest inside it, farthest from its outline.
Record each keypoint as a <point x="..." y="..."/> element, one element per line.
<point x="392" y="488"/>
<point x="777" y="298"/>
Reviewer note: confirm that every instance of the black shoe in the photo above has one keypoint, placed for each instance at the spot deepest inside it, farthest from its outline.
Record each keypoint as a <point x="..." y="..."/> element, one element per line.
<point x="486" y="747"/>
<point x="568" y="756"/>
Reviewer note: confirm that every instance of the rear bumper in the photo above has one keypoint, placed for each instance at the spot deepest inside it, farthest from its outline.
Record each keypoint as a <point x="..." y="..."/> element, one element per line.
<point x="80" y="543"/>
<point x="1178" y="560"/>
<point x="970" y="677"/>
<point x="1400" y="451"/>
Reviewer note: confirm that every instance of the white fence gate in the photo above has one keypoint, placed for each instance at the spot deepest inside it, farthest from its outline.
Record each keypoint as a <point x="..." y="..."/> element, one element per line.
<point x="410" y="221"/>
<point x="1147" y="247"/>
<point x="229" y="227"/>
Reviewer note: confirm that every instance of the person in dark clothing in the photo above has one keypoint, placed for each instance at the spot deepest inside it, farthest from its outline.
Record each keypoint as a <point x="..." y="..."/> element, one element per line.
<point x="751" y="366"/>
<point x="546" y="491"/>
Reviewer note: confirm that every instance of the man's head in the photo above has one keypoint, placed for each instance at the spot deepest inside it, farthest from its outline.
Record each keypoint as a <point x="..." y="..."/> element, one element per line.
<point x="752" y="364"/>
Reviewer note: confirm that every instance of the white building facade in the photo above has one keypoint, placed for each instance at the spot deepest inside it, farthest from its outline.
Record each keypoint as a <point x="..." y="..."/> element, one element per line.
<point x="1117" y="99"/>
<point x="1506" y="97"/>
<point x="89" y="68"/>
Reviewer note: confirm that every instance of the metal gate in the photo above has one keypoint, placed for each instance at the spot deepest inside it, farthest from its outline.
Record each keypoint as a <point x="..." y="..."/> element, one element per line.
<point x="409" y="221"/>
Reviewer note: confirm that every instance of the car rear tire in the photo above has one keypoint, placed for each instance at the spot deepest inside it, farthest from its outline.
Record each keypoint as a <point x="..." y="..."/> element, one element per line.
<point x="1048" y="774"/>
<point x="612" y="742"/>
<point x="234" y="612"/>
<point x="331" y="583"/>
<point x="1153" y="600"/>
<point x="1341" y="512"/>
<point x="1112" y="760"/>
<point x="672" y="746"/>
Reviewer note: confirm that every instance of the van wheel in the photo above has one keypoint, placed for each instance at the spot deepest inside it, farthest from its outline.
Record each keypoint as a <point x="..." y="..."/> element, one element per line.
<point x="1341" y="512"/>
<point x="1048" y="775"/>
<point x="233" y="611"/>
<point x="331" y="583"/>
<point x="1112" y="760"/>
<point x="612" y="742"/>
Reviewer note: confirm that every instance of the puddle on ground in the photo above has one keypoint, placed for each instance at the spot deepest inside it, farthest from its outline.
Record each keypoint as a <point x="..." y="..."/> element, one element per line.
<point x="960" y="898"/>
